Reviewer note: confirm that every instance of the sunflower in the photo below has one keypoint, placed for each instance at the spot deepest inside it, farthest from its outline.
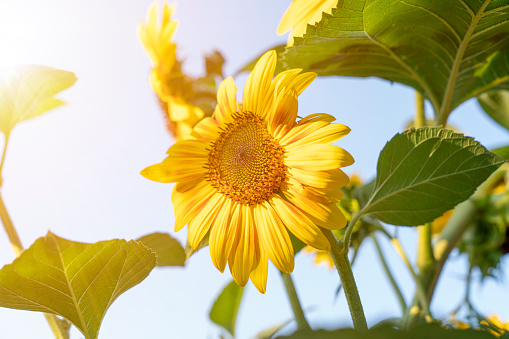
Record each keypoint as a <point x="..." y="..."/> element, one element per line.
<point x="252" y="173"/>
<point x="167" y="79"/>
<point x="301" y="13"/>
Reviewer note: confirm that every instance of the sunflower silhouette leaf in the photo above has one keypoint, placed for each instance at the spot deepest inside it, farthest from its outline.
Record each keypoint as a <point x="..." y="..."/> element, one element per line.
<point x="225" y="308"/>
<point x="28" y="91"/>
<point x="448" y="50"/>
<point x="75" y="280"/>
<point x="168" y="250"/>
<point x="423" y="173"/>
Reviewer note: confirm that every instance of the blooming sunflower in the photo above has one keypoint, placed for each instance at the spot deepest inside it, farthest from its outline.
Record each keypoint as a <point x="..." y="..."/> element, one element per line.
<point x="252" y="173"/>
<point x="167" y="79"/>
<point x="301" y="13"/>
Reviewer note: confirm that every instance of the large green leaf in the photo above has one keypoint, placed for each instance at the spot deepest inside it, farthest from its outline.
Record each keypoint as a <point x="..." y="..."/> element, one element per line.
<point x="75" y="280"/>
<point x="448" y="50"/>
<point x="423" y="173"/>
<point x="169" y="251"/>
<point x="225" y="308"/>
<point x="28" y="91"/>
<point x="496" y="104"/>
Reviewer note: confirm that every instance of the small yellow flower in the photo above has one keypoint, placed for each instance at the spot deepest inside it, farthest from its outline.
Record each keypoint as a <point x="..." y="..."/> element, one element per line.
<point x="252" y="173"/>
<point x="497" y="322"/>
<point x="167" y="79"/>
<point x="301" y="13"/>
<point x="321" y="257"/>
<point x="439" y="223"/>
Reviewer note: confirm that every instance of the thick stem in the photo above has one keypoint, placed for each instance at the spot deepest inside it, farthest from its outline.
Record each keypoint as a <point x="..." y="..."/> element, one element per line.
<point x="59" y="327"/>
<point x="294" y="301"/>
<point x="425" y="257"/>
<point x="9" y="229"/>
<point x="389" y="275"/>
<point x="420" y="118"/>
<point x="340" y="258"/>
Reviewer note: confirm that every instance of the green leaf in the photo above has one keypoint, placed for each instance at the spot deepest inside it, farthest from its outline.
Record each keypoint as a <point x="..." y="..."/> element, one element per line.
<point x="502" y="151"/>
<point x="225" y="308"/>
<point x="496" y="105"/>
<point x="423" y="173"/>
<point x="169" y="251"/>
<point x="270" y="332"/>
<point x="28" y="91"/>
<point x="448" y="50"/>
<point x="427" y="331"/>
<point x="75" y="280"/>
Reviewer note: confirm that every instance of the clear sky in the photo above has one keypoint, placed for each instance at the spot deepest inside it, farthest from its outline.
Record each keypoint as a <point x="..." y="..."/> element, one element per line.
<point x="75" y="171"/>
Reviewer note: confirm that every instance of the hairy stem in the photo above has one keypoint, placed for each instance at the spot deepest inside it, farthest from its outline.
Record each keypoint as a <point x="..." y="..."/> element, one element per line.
<point x="340" y="257"/>
<point x="294" y="301"/>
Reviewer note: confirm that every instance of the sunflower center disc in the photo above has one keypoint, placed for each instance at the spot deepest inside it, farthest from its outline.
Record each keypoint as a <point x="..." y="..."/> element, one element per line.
<point x="245" y="162"/>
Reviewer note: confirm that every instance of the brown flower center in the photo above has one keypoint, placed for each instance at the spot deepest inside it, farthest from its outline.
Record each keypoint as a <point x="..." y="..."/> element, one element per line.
<point x="245" y="162"/>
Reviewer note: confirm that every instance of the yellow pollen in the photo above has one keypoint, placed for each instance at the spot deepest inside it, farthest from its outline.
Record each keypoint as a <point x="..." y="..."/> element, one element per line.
<point x="245" y="162"/>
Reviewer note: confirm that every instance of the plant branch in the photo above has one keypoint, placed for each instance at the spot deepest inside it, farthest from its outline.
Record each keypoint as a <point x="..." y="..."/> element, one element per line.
<point x="420" y="291"/>
<point x="393" y="282"/>
<point x="7" y="135"/>
<point x="294" y="301"/>
<point x="340" y="257"/>
<point x="59" y="327"/>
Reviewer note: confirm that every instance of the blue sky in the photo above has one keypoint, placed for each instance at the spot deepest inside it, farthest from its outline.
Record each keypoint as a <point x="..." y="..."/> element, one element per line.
<point x="75" y="171"/>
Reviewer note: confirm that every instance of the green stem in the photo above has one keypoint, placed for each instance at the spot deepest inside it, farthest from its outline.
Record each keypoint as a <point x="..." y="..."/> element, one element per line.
<point x="425" y="257"/>
<point x="59" y="327"/>
<point x="393" y="282"/>
<point x="420" y="291"/>
<point x="420" y="119"/>
<point x="294" y="301"/>
<point x="340" y="257"/>
<point x="3" y="156"/>
<point x="350" y="228"/>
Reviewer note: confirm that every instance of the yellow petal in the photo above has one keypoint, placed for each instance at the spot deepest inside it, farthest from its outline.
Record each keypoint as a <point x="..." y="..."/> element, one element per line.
<point x="283" y="117"/>
<point x="317" y="117"/>
<point x="318" y="157"/>
<point x="301" y="131"/>
<point x="326" y="216"/>
<point x="320" y="179"/>
<point x="325" y="135"/>
<point x="258" y="83"/>
<point x="274" y="238"/>
<point x="259" y="274"/>
<point x="206" y="217"/>
<point x="28" y="91"/>
<point x="299" y="224"/>
<point x="171" y="170"/>
<point x="226" y="101"/>
<point x="222" y="234"/>
<point x="187" y="149"/>
<point x="301" y="13"/>
<point x="325" y="197"/>
<point x="283" y="82"/>
<point x="207" y="128"/>
<point x="187" y="204"/>
<point x="179" y="110"/>
<point x="246" y="255"/>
